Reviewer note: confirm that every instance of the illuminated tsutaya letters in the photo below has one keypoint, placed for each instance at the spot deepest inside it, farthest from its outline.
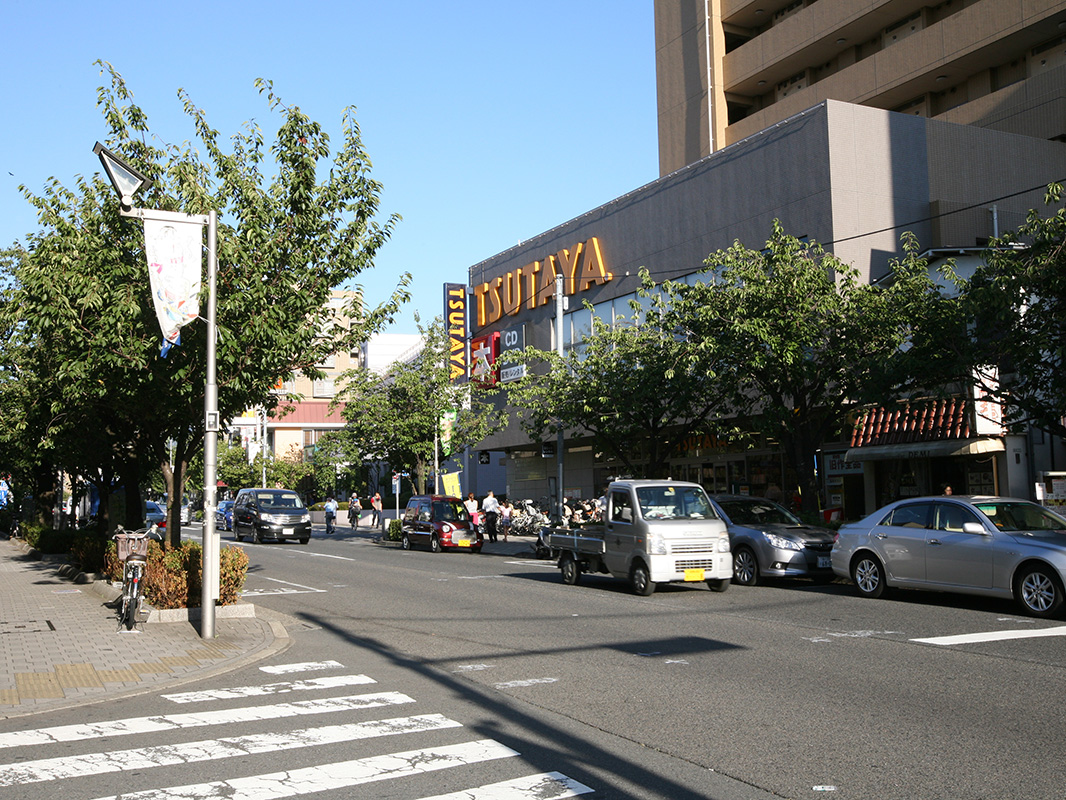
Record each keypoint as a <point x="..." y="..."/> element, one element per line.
<point x="533" y="285"/>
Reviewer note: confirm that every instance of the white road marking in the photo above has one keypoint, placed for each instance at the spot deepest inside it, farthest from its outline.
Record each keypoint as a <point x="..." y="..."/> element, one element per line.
<point x="543" y="786"/>
<point x="306" y="666"/>
<point x="332" y="777"/>
<point x="474" y="667"/>
<point x="66" y="767"/>
<point x="992" y="636"/>
<point x="139" y="725"/>
<point x="530" y="682"/>
<point x="297" y="585"/>
<point x="331" y="682"/>
<point x="547" y="564"/>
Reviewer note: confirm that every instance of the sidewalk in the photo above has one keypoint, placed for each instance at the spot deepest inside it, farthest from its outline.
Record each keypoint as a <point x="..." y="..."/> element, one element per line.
<point x="60" y="645"/>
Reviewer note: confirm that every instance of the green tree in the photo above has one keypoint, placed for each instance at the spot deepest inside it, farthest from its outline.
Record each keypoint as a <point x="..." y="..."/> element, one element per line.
<point x="1016" y="303"/>
<point x="85" y="330"/>
<point x="795" y="339"/>
<point x="637" y="389"/>
<point x="395" y="417"/>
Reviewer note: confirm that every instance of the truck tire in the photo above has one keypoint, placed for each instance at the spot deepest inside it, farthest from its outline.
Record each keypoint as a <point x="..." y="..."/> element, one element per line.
<point x="718" y="584"/>
<point x="640" y="579"/>
<point x="570" y="570"/>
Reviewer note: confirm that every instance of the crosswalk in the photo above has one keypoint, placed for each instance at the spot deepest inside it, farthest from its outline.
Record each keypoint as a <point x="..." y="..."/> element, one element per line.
<point x="129" y="757"/>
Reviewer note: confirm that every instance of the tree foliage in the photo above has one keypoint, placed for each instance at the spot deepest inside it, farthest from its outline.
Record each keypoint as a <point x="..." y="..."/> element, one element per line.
<point x="1016" y="303"/>
<point x="396" y="417"/>
<point x="294" y="223"/>
<point x="637" y="389"/>
<point x="795" y="339"/>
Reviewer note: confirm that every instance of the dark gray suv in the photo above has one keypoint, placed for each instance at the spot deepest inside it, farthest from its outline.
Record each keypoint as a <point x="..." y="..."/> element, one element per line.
<point x="270" y="514"/>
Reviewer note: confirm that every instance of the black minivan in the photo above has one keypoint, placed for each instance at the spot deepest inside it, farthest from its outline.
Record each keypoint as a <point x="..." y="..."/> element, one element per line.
<point x="439" y="522"/>
<point x="275" y="514"/>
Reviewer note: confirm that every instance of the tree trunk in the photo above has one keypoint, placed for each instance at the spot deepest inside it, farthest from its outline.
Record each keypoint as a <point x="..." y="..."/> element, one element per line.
<point x="44" y="493"/>
<point x="130" y="473"/>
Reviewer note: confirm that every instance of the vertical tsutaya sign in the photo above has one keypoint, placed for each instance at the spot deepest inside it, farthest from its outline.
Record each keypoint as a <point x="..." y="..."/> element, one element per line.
<point x="483" y="353"/>
<point x="533" y="285"/>
<point x="455" y="324"/>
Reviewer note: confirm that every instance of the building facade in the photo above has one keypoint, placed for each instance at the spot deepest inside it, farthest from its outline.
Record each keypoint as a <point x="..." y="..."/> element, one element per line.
<point x="852" y="177"/>
<point x="727" y="69"/>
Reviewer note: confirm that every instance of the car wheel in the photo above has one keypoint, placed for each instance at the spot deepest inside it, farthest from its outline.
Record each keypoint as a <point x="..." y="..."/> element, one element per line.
<point x="434" y="544"/>
<point x="305" y="539"/>
<point x="238" y="537"/>
<point x="719" y="584"/>
<point x="745" y="567"/>
<point x="570" y="570"/>
<point x="257" y="536"/>
<point x="405" y="541"/>
<point x="869" y="575"/>
<point x="1038" y="591"/>
<point x="640" y="580"/>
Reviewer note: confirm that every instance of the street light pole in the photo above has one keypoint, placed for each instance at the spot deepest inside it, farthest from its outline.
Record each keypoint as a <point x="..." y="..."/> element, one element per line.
<point x="127" y="182"/>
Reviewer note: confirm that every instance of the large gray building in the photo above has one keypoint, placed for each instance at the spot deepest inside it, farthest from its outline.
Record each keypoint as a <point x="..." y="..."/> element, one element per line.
<point x="852" y="177"/>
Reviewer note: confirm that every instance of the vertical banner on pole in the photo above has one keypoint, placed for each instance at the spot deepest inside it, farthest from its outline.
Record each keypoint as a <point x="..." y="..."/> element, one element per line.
<point x="455" y="323"/>
<point x="175" y="263"/>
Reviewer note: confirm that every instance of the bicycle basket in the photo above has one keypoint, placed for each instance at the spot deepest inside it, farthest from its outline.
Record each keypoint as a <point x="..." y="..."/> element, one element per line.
<point x="128" y="544"/>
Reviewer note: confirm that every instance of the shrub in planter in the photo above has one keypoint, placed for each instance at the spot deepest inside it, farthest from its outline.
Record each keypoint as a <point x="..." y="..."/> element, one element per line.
<point x="395" y="530"/>
<point x="174" y="574"/>
<point x="88" y="548"/>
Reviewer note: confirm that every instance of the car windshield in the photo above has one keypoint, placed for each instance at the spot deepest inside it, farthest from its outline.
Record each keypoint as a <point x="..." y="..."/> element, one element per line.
<point x="449" y="511"/>
<point x="1022" y="517"/>
<point x="674" y="502"/>
<point x="269" y="501"/>
<point x="153" y="507"/>
<point x="756" y="512"/>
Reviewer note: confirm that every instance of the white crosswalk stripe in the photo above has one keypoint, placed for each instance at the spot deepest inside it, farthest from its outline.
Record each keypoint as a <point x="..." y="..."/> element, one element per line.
<point x="225" y="766"/>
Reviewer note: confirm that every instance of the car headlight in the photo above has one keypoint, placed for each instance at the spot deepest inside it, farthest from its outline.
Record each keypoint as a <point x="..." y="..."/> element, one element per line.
<point x="657" y="545"/>
<point x="781" y="543"/>
<point x="268" y="518"/>
<point x="446" y="528"/>
<point x="723" y="544"/>
<point x="305" y="518"/>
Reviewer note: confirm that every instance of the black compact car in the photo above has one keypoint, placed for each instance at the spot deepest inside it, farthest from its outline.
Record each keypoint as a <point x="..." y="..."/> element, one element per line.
<point x="270" y="514"/>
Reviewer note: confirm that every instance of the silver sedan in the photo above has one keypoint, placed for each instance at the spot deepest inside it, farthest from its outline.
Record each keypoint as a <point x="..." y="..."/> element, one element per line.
<point x="993" y="546"/>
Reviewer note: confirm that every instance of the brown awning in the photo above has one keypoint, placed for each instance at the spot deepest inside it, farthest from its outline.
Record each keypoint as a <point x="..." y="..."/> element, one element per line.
<point x="935" y="449"/>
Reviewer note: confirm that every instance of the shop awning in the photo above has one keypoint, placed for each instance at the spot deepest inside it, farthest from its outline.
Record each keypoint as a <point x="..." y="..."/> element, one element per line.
<point x="936" y="449"/>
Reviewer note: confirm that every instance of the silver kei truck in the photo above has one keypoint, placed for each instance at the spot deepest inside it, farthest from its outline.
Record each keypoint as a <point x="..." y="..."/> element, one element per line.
<point x="654" y="531"/>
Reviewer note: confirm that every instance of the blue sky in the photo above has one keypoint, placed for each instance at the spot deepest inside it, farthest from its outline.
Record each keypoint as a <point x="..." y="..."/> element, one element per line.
<point x="488" y="121"/>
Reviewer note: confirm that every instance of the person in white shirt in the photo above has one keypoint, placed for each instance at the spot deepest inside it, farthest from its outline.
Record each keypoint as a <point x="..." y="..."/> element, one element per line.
<point x="491" y="507"/>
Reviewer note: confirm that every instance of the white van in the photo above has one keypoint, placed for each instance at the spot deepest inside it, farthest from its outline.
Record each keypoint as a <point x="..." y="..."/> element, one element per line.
<point x="654" y="531"/>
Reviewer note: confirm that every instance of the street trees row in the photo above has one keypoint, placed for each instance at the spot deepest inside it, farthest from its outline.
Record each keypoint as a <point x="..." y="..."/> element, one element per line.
<point x="82" y="385"/>
<point x="778" y="343"/>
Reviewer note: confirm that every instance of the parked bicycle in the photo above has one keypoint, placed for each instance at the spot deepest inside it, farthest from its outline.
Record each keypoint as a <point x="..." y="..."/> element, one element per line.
<point x="133" y="554"/>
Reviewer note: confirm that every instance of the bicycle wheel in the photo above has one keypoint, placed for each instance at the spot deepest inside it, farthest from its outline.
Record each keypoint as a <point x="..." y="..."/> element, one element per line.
<point x="131" y="600"/>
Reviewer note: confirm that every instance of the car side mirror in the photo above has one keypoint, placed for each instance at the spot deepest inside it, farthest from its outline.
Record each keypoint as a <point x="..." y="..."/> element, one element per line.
<point x="974" y="527"/>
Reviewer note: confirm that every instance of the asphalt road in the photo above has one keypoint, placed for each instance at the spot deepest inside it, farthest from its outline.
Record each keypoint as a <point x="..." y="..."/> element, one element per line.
<point x="779" y="690"/>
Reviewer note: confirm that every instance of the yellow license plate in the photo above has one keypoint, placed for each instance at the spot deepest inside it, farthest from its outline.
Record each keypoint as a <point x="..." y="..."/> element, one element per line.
<point x="463" y="543"/>
<point x="693" y="574"/>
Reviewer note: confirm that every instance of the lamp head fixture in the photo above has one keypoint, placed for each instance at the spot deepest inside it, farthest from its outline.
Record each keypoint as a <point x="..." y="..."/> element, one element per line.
<point x="126" y="180"/>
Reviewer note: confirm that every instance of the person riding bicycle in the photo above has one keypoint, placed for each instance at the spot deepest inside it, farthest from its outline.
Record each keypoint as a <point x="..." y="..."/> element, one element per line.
<point x="331" y="514"/>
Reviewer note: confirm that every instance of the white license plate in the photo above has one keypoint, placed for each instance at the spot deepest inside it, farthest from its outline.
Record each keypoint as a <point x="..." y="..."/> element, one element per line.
<point x="825" y="562"/>
<point x="288" y="531"/>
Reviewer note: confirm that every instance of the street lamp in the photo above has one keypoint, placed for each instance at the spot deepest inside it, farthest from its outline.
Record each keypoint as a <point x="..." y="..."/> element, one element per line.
<point x="127" y="182"/>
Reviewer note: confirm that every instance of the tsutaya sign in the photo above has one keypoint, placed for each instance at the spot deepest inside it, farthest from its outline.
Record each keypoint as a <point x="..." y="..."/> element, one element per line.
<point x="455" y="322"/>
<point x="533" y="285"/>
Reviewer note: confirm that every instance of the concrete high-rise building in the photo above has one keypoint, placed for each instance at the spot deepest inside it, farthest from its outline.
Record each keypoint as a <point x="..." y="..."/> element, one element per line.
<point x="728" y="69"/>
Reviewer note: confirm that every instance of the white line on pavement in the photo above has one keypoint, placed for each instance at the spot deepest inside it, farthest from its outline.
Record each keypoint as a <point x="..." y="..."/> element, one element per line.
<point x="332" y="777"/>
<point x="306" y="666"/>
<point x="65" y="767"/>
<point x="992" y="636"/>
<point x="165" y="722"/>
<point x="543" y="786"/>
<point x="530" y="682"/>
<point x="331" y="682"/>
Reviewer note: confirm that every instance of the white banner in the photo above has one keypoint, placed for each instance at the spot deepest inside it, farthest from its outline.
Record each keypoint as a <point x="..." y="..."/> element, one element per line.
<point x="175" y="260"/>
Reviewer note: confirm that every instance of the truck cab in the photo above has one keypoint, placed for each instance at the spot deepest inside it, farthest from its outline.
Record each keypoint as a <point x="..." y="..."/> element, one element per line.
<point x="654" y="531"/>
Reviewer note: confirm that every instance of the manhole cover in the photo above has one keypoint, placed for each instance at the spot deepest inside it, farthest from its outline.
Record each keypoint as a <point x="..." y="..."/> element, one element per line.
<point x="29" y="626"/>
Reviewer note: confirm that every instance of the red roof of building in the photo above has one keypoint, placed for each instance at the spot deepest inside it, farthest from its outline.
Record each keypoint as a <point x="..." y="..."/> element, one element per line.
<point x="307" y="413"/>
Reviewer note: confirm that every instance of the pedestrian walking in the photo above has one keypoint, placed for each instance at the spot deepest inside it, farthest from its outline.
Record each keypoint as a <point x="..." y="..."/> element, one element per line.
<point x="506" y="512"/>
<point x="491" y="508"/>
<point x="471" y="508"/>
<point x="355" y="510"/>
<point x="375" y="507"/>
<point x="331" y="514"/>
